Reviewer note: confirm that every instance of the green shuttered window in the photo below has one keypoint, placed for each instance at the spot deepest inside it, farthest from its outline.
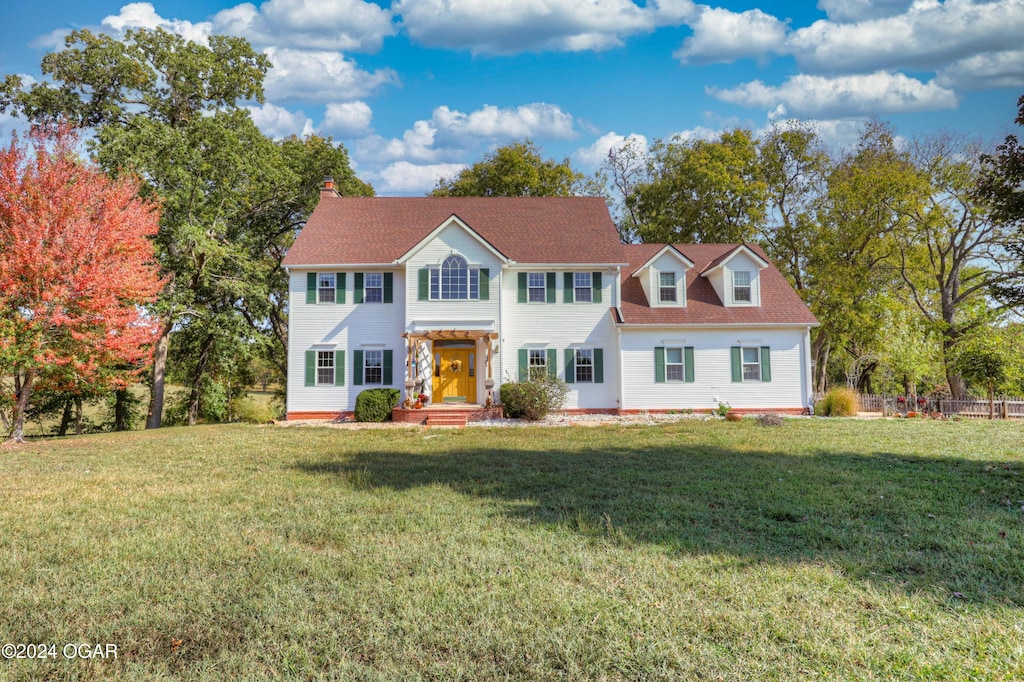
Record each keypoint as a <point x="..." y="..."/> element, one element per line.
<point x="673" y="364"/>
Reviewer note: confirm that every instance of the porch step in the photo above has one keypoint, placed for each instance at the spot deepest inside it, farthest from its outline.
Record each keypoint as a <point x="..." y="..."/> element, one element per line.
<point x="455" y="419"/>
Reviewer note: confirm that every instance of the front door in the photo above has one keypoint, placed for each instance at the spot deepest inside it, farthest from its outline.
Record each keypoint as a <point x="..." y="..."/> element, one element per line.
<point x="454" y="378"/>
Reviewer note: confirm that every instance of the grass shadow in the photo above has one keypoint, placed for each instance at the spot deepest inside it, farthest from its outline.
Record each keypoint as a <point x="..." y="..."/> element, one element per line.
<point x="910" y="521"/>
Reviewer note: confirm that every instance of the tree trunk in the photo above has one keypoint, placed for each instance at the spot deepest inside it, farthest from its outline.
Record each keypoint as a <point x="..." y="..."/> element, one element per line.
<point x="197" y="380"/>
<point x="156" y="396"/>
<point x="23" y="388"/>
<point x="822" y="348"/>
<point x="78" y="415"/>
<point x="65" y="419"/>
<point x="121" y="409"/>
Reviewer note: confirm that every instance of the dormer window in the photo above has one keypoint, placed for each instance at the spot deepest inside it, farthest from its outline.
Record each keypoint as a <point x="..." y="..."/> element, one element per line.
<point x="741" y="287"/>
<point x="667" y="287"/>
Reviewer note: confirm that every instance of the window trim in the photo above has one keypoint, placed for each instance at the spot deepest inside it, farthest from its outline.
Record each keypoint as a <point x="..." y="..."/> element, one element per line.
<point x="579" y="353"/>
<point x="744" y="364"/>
<point x="681" y="365"/>
<point x="436" y="282"/>
<point x="749" y="286"/>
<point x="530" y="287"/>
<point x="586" y="289"/>
<point x="367" y="287"/>
<point x="367" y="366"/>
<point x="662" y="288"/>
<point x="321" y="356"/>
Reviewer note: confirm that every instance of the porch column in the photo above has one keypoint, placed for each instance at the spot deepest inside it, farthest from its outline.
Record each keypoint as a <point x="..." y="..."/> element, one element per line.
<point x="489" y="382"/>
<point x="410" y="369"/>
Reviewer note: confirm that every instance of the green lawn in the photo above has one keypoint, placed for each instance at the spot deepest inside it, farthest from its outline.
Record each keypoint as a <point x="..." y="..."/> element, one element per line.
<point x="816" y="550"/>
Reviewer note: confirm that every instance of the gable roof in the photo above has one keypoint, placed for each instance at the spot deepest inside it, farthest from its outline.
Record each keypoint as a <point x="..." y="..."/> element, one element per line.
<point x="379" y="230"/>
<point x="667" y="248"/>
<point x="720" y="262"/>
<point x="780" y="304"/>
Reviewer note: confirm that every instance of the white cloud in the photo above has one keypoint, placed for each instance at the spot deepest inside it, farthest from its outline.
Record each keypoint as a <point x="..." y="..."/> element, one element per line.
<point x="722" y="36"/>
<point x="403" y="177"/>
<point x="503" y="27"/>
<point x="981" y="72"/>
<point x="348" y="119"/>
<point x="858" y="95"/>
<point x="927" y="36"/>
<point x="699" y="133"/>
<point x="350" y="25"/>
<point x="278" y="122"/>
<point x="858" y="10"/>
<point x="545" y="121"/>
<point x="590" y="158"/>
<point x="143" y="15"/>
<point x="321" y="75"/>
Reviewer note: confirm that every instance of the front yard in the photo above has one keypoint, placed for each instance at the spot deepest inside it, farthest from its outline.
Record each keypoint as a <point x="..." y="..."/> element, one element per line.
<point x="698" y="550"/>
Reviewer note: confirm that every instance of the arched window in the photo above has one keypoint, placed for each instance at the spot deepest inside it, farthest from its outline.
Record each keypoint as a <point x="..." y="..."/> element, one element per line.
<point x="454" y="280"/>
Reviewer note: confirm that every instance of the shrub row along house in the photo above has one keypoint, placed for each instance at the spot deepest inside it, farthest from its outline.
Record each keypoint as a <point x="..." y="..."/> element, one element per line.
<point x="454" y="296"/>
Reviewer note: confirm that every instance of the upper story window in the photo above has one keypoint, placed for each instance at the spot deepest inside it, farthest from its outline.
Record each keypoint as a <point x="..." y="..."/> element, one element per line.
<point x="454" y="281"/>
<point x="741" y="287"/>
<point x="667" y="287"/>
<point x="374" y="287"/>
<point x="536" y="286"/>
<point x="325" y="287"/>
<point x="583" y="285"/>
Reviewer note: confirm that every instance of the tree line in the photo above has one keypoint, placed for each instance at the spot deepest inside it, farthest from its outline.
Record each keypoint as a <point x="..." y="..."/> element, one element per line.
<point x="909" y="252"/>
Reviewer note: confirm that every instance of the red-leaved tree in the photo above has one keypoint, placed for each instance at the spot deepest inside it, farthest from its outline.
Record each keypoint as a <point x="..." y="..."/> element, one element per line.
<point x="76" y="269"/>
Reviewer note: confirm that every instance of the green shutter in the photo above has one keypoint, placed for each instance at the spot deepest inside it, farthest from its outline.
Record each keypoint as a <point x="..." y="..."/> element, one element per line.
<point x="389" y="287"/>
<point x="688" y="364"/>
<point x="550" y="287"/>
<point x="310" y="287"/>
<point x="599" y="365"/>
<point x="358" y="295"/>
<point x="311" y="368"/>
<point x="737" y="365"/>
<point x="339" y="368"/>
<point x="552" y="363"/>
<point x="424" y="288"/>
<point x="596" y="282"/>
<point x="570" y="366"/>
<point x="357" y="368"/>
<point x="659" y="364"/>
<point x="523" y="292"/>
<point x="389" y="356"/>
<point x="485" y="284"/>
<point x="339" y="287"/>
<point x="568" y="288"/>
<point x="524" y="364"/>
<point x="766" y="363"/>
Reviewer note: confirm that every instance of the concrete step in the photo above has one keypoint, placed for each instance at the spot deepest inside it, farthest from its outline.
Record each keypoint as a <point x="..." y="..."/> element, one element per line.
<point x="456" y="419"/>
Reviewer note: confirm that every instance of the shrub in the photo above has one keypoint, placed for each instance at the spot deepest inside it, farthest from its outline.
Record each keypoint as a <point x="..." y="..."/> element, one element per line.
<point x="375" y="404"/>
<point x="533" y="399"/>
<point x="839" y="402"/>
<point x="247" y="409"/>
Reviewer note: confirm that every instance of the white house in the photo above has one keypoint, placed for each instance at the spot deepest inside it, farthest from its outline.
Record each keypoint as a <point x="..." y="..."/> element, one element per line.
<point x="454" y="296"/>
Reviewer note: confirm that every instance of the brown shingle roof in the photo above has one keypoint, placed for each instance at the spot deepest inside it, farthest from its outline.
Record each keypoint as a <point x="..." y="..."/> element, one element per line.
<point x="779" y="303"/>
<point x="357" y="230"/>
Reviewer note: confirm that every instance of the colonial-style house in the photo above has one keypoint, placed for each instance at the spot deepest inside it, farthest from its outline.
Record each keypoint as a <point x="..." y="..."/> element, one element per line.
<point x="454" y="296"/>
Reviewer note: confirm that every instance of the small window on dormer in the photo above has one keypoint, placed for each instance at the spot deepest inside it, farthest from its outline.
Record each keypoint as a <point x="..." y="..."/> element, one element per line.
<point x="667" y="287"/>
<point x="741" y="287"/>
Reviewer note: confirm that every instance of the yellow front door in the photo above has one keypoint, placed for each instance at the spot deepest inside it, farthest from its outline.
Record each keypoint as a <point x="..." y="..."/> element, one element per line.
<point x="454" y="376"/>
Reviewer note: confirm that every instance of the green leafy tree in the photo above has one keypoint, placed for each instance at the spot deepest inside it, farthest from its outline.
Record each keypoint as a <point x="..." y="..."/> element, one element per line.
<point x="515" y="170"/>
<point x="700" y="191"/>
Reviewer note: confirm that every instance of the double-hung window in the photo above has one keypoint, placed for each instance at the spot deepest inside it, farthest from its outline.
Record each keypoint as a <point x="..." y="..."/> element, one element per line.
<point x="325" y="367"/>
<point x="538" y="362"/>
<point x="751" y="364"/>
<point x="741" y="287"/>
<point x="584" y="365"/>
<point x="674" y="369"/>
<point x="374" y="287"/>
<point x="584" y="287"/>
<point x="536" y="287"/>
<point x="667" y="287"/>
<point x="373" y="367"/>
<point x="325" y="287"/>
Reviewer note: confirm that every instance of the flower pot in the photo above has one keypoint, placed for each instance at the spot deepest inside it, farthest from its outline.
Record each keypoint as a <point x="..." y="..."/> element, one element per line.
<point x="417" y="406"/>
<point x="733" y="416"/>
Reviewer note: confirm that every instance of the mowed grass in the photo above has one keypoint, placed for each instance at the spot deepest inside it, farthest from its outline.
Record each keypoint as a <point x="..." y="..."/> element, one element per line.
<point x="816" y="550"/>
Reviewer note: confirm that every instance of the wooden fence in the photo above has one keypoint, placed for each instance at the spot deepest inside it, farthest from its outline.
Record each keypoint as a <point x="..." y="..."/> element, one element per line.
<point x="1003" y="407"/>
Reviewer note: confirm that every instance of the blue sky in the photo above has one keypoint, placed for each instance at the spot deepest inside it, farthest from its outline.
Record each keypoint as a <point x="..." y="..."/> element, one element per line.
<point x="416" y="89"/>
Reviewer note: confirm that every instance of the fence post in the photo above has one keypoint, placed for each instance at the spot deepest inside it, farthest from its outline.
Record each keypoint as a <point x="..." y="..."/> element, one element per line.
<point x="1006" y="409"/>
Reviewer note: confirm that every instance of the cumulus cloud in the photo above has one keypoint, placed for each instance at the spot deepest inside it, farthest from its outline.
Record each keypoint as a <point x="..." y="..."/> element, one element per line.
<point x="591" y="157"/>
<point x="321" y="75"/>
<point x="722" y="36"/>
<point x="143" y="15"/>
<point x="403" y="177"/>
<point x="859" y="10"/>
<point x="502" y="27"/>
<point x="349" y="25"/>
<point x="348" y="119"/>
<point x="278" y="122"/>
<point x="927" y="36"/>
<point x="981" y="72"/>
<point x="808" y="96"/>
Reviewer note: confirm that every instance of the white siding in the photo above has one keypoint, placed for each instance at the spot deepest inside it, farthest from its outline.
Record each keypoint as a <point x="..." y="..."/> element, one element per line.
<point x="741" y="262"/>
<point x="667" y="263"/>
<point x="713" y="369"/>
<point x="561" y="325"/>
<point x="346" y="327"/>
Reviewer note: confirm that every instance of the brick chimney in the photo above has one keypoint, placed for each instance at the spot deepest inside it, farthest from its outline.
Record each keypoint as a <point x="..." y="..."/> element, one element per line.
<point x="328" y="189"/>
